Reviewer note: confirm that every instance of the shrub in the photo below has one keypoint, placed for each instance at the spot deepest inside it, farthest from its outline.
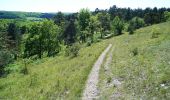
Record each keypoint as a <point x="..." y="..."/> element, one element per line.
<point x="72" y="50"/>
<point x="5" y="59"/>
<point x="131" y="32"/>
<point x="135" y="51"/>
<point x="135" y="23"/>
<point x="24" y="70"/>
<point x="118" y="25"/>
<point x="131" y="29"/>
<point x="155" y="33"/>
<point x="89" y="42"/>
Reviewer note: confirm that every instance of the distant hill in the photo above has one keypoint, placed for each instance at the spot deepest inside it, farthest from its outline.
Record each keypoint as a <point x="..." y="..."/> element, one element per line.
<point x="23" y="15"/>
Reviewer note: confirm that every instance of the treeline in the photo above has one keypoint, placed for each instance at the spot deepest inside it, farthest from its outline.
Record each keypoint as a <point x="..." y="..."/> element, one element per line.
<point x="46" y="38"/>
<point x="24" y="15"/>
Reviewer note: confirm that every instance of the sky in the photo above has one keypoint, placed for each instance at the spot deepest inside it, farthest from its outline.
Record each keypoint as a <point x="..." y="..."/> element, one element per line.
<point x="76" y="5"/>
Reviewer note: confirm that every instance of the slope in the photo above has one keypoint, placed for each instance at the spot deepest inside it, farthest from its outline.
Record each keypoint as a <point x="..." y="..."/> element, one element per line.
<point x="53" y="78"/>
<point x="140" y="66"/>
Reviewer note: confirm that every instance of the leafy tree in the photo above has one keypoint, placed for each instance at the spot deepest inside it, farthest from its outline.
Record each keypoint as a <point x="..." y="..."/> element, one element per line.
<point x="94" y="26"/>
<point x="12" y="31"/>
<point x="128" y="14"/>
<point x="83" y="19"/>
<point x="42" y="38"/>
<point x="72" y="50"/>
<point x="113" y="11"/>
<point x="167" y="15"/>
<point x="23" y="29"/>
<point x="70" y="32"/>
<point x="49" y="34"/>
<point x="59" y="19"/>
<point x="14" y="37"/>
<point x="6" y="55"/>
<point x="135" y="23"/>
<point x="104" y="19"/>
<point x="34" y="42"/>
<point x="118" y="25"/>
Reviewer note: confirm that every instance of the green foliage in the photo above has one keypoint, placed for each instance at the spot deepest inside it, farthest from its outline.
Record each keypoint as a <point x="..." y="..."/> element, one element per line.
<point x="104" y="19"/>
<point x="131" y="30"/>
<point x="6" y="50"/>
<point x="24" y="29"/>
<point x="83" y="19"/>
<point x="59" y="19"/>
<point x="152" y="18"/>
<point x="94" y="26"/>
<point x="72" y="50"/>
<point x="167" y="15"/>
<point x="12" y="31"/>
<point x="70" y="32"/>
<point x="42" y="38"/>
<point x="53" y="77"/>
<point x="135" y="23"/>
<point x="135" y="51"/>
<point x="155" y="32"/>
<point x="5" y="58"/>
<point x="118" y="25"/>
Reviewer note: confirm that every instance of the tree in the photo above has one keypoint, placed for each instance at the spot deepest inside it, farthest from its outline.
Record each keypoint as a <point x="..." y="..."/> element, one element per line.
<point x="104" y="19"/>
<point x="49" y="34"/>
<point x="34" y="42"/>
<point x="128" y="14"/>
<point x="118" y="25"/>
<point x="23" y="29"/>
<point x="12" y="31"/>
<point x="167" y="15"/>
<point x="6" y="55"/>
<point x="42" y="38"/>
<point x="113" y="11"/>
<point x="94" y="26"/>
<point x="14" y="37"/>
<point x="70" y="32"/>
<point x="59" y="19"/>
<point x="137" y="22"/>
<point x="83" y="19"/>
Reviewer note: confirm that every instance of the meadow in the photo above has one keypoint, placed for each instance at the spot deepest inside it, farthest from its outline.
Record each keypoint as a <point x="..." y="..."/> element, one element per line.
<point x="141" y="63"/>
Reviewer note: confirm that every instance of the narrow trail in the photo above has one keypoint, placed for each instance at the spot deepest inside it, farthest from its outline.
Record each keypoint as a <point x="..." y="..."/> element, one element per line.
<point x="114" y="82"/>
<point x="91" y="90"/>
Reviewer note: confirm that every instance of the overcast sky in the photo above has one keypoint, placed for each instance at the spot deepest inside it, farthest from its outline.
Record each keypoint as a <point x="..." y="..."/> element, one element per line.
<point x="76" y="5"/>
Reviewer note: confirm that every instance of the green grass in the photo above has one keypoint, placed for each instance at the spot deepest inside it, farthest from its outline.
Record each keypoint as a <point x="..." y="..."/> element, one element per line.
<point x="52" y="78"/>
<point x="139" y="60"/>
<point x="142" y="63"/>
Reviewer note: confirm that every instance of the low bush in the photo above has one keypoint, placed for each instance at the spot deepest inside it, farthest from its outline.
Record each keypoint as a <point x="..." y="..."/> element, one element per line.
<point x="5" y="59"/>
<point x="135" y="51"/>
<point x="72" y="50"/>
<point x="155" y="33"/>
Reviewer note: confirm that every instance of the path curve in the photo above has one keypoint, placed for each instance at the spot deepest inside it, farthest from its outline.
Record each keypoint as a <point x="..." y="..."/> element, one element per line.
<point x="91" y="90"/>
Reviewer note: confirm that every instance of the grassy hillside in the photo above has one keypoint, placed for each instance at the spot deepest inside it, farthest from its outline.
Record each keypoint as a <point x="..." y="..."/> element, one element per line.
<point x="50" y="78"/>
<point x="141" y="63"/>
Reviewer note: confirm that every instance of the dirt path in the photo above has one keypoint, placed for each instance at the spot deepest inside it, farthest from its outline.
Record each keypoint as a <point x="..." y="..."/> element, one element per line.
<point x="91" y="90"/>
<point x="107" y="85"/>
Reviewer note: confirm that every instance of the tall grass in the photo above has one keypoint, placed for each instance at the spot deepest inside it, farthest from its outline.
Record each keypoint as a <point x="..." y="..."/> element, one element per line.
<point x="59" y="77"/>
<point x="145" y="75"/>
